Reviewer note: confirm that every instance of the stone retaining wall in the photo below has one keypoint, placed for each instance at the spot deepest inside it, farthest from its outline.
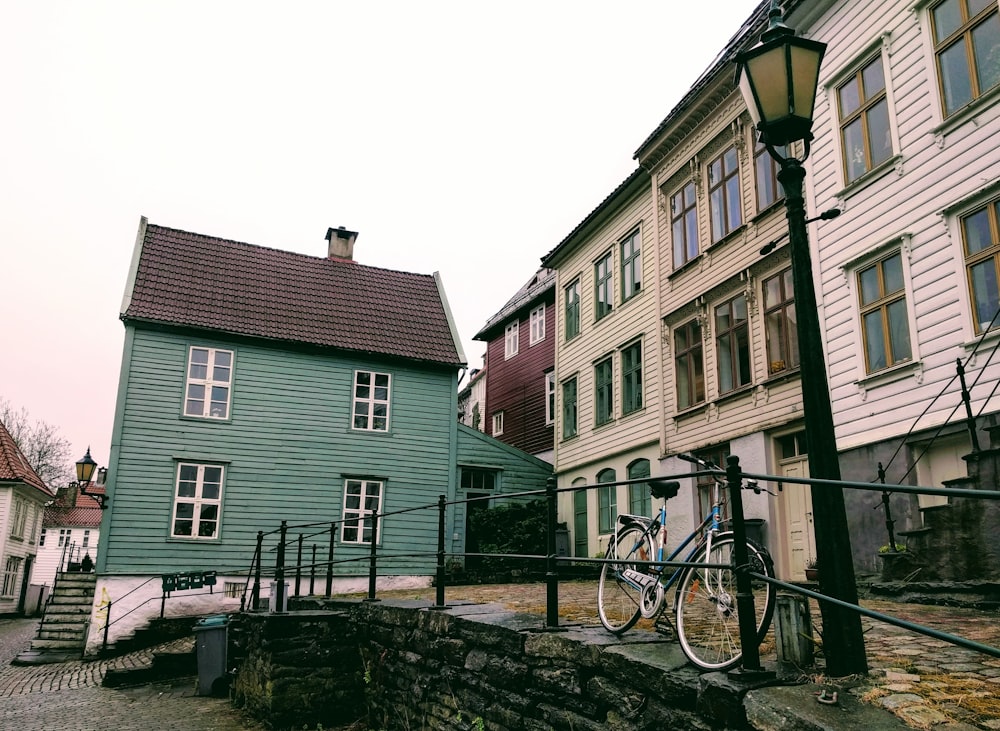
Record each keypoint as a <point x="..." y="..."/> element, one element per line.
<point x="468" y="667"/>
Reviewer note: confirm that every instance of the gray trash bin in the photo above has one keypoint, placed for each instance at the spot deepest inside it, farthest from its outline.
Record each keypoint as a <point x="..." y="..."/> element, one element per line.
<point x="210" y="636"/>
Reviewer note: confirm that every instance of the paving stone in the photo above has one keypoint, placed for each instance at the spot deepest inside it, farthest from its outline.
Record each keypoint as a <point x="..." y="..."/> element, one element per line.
<point x="922" y="716"/>
<point x="900" y="700"/>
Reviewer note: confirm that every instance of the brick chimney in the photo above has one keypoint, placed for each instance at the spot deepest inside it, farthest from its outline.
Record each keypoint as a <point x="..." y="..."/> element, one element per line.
<point x="341" y="243"/>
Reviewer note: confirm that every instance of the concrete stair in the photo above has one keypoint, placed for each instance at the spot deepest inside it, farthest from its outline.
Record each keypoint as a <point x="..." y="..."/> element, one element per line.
<point x="63" y="630"/>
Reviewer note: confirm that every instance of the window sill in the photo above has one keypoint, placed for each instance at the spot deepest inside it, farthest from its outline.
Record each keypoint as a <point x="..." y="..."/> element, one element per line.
<point x="570" y="438"/>
<point x="891" y="374"/>
<point x="734" y="394"/>
<point x="731" y="236"/>
<point x="876" y="173"/>
<point x="769" y="210"/>
<point x="689" y="264"/>
<point x="691" y="411"/>
<point x="207" y="419"/>
<point x="963" y="115"/>
<point x="781" y="376"/>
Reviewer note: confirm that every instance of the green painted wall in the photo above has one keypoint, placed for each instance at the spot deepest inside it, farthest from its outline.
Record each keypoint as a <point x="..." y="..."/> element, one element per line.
<point x="518" y="471"/>
<point x="287" y="449"/>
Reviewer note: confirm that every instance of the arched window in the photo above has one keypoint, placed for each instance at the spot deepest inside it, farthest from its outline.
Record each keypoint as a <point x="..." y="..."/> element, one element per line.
<point x="607" y="502"/>
<point x="638" y="493"/>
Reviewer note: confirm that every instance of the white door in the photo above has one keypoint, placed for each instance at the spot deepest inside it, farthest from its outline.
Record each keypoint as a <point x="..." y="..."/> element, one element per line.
<point x="796" y="507"/>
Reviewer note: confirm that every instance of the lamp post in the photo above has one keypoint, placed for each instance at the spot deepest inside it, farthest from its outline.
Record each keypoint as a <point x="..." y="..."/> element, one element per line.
<point x="778" y="79"/>
<point x="85" y="467"/>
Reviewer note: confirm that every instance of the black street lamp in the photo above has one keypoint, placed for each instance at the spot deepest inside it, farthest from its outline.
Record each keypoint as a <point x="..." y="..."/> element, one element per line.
<point x="778" y="79"/>
<point x="85" y="467"/>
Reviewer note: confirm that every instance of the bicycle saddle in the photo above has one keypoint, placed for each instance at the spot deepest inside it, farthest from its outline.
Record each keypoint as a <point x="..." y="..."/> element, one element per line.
<point x="664" y="489"/>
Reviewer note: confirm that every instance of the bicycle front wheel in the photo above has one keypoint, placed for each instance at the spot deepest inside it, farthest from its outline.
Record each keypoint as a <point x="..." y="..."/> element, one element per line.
<point x="707" y="618"/>
<point x="619" y="589"/>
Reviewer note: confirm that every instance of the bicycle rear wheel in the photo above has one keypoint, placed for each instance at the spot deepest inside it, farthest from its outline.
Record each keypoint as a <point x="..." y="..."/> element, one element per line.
<point x="707" y="618"/>
<point x="618" y="591"/>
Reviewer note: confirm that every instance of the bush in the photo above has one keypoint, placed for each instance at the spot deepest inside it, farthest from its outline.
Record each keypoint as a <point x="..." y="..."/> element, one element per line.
<point x="512" y="528"/>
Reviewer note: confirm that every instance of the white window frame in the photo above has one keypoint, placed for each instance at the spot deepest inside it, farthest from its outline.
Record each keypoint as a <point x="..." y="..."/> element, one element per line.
<point x="497" y="423"/>
<point x="198" y="501"/>
<point x="850" y="269"/>
<point x="550" y="398"/>
<point x="11" y="571"/>
<point x="537" y="319"/>
<point x="510" y="338"/>
<point x="365" y="489"/>
<point x="19" y="518"/>
<point x="211" y="384"/>
<point x="370" y="401"/>
<point x="65" y="537"/>
<point x="878" y="47"/>
<point x="85" y="543"/>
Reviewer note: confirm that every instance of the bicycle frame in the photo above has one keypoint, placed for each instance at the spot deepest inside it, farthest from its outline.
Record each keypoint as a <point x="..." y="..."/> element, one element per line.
<point x="702" y="535"/>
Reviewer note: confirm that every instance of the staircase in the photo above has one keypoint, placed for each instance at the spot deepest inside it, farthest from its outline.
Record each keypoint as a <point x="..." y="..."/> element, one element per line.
<point x="62" y="633"/>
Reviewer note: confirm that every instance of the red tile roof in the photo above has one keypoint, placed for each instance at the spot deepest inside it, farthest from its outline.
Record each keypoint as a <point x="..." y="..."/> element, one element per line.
<point x="14" y="467"/>
<point x="85" y="514"/>
<point x="200" y="281"/>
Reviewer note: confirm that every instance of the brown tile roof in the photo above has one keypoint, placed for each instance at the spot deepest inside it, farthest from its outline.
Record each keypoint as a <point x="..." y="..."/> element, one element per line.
<point x="14" y="467"/>
<point x="200" y="281"/>
<point x="86" y="514"/>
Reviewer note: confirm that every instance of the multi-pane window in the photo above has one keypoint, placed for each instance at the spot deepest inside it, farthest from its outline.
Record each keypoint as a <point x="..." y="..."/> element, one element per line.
<point x="572" y="306"/>
<point x="569" y="425"/>
<point x="20" y="516"/>
<point x="86" y="539"/>
<point x="64" y="536"/>
<point x="632" y="378"/>
<point x="631" y="253"/>
<point x="638" y="493"/>
<point x="362" y="498"/>
<point x="706" y="483"/>
<point x="197" y="501"/>
<point x="967" y="48"/>
<point x="981" y="240"/>
<point x="209" y="381"/>
<point x="732" y="344"/>
<point x="510" y="339"/>
<point x="550" y="398"/>
<point x="41" y="538"/>
<point x="766" y="168"/>
<point x="371" y="401"/>
<point x="604" y="405"/>
<point x="477" y="479"/>
<point x="607" y="502"/>
<point x="603" y="289"/>
<point x="580" y="540"/>
<point x="497" y="423"/>
<point x="689" y="365"/>
<point x="684" y="225"/>
<point x="537" y="321"/>
<point x="864" y="120"/>
<point x="11" y="570"/>
<point x="779" y="323"/>
<point x="884" y="324"/>
<point x="724" y="194"/>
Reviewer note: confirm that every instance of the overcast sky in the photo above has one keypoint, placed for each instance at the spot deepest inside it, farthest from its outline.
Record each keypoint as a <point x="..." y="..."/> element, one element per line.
<point x="467" y="138"/>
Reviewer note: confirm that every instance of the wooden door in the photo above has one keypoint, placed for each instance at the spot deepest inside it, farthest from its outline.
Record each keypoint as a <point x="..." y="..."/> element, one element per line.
<point x="796" y="507"/>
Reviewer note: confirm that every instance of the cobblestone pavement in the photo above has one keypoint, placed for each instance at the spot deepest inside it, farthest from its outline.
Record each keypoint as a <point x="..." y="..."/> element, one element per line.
<point x="68" y="696"/>
<point x="927" y="683"/>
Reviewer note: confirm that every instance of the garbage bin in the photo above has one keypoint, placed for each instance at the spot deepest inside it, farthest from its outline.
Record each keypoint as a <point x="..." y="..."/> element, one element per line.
<point x="210" y="640"/>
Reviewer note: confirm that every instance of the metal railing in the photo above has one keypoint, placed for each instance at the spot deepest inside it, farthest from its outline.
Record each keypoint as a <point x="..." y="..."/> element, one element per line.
<point x="373" y="548"/>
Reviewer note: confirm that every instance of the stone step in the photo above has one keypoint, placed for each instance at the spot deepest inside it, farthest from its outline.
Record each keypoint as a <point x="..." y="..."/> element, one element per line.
<point x="70" y="634"/>
<point x="56" y="610"/>
<point x="53" y="644"/>
<point x="65" y="617"/>
<point x="164" y="666"/>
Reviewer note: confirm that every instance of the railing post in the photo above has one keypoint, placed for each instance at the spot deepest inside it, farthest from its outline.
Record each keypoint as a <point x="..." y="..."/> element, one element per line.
<point x="373" y="559"/>
<point x="967" y="400"/>
<point x="107" y="624"/>
<point x="279" y="570"/>
<point x="551" y="566"/>
<point x="439" y="595"/>
<point x="750" y="662"/>
<point x="255" y="592"/>
<point x="889" y="522"/>
<point x="312" y="572"/>
<point x="329" y="559"/>
<point x="298" y="566"/>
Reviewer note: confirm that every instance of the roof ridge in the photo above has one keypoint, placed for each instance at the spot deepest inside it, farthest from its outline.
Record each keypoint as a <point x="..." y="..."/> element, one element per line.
<point x="14" y="465"/>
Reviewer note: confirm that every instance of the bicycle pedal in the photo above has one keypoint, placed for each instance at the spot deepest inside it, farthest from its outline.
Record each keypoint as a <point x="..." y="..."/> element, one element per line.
<point x="662" y="626"/>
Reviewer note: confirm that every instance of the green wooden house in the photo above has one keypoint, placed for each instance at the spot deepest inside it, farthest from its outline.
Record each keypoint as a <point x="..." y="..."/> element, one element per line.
<point x="260" y="385"/>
